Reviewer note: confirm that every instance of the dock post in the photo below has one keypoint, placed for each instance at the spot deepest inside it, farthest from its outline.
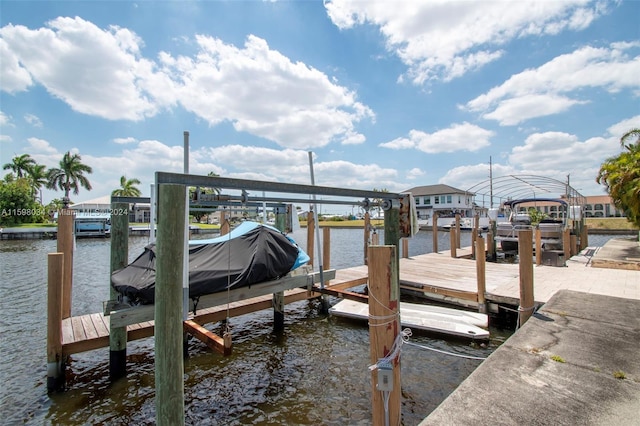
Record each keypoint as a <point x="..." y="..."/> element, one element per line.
<point x="434" y="232"/>
<point x="525" y="262"/>
<point x="566" y="243"/>
<point x="405" y="248"/>
<point x="169" y="361"/>
<point x="367" y="233"/>
<point x="538" y="247"/>
<point x="384" y="329"/>
<point x="55" y="277"/>
<point x="310" y="236"/>
<point x="453" y="242"/>
<point x="481" y="274"/>
<point x="225" y="227"/>
<point x="326" y="247"/>
<point x="65" y="245"/>
<point x="474" y="237"/>
<point x="584" y="237"/>
<point x="119" y="259"/>
<point x="574" y="244"/>
<point x="457" y="230"/>
<point x="392" y="229"/>
<point x="278" y="297"/>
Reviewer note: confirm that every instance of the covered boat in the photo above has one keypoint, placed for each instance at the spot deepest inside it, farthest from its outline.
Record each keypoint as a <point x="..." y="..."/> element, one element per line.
<point x="252" y="253"/>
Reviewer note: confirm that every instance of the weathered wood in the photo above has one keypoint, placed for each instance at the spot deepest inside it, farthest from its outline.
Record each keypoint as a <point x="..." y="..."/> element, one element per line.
<point x="457" y="230"/>
<point x="491" y="244"/>
<point x="434" y="232"/>
<point x="566" y="243"/>
<point x="55" y="280"/>
<point x="142" y="313"/>
<point x="213" y="341"/>
<point x="481" y="274"/>
<point x="538" y="247"/>
<point x="584" y="237"/>
<point x="405" y="248"/>
<point x="525" y="262"/>
<point x="384" y="329"/>
<point x="65" y="238"/>
<point x="453" y="241"/>
<point x="474" y="236"/>
<point x="326" y="247"/>
<point x="169" y="365"/>
<point x="574" y="245"/>
<point x="442" y="291"/>
<point x="367" y="230"/>
<point x="225" y="226"/>
<point x="119" y="259"/>
<point x="311" y="238"/>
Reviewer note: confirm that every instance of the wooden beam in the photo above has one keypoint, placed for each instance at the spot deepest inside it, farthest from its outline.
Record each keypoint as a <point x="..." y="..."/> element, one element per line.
<point x="525" y="264"/>
<point x="212" y="340"/>
<point x="343" y="294"/>
<point x="65" y="238"/>
<point x="119" y="259"/>
<point x="137" y="314"/>
<point x="434" y="231"/>
<point x="384" y="328"/>
<point x="169" y="363"/>
<point x="55" y="369"/>
<point x="446" y="292"/>
<point x="481" y="274"/>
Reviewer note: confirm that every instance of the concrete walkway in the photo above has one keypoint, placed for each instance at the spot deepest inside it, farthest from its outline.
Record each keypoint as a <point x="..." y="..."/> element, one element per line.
<point x="560" y="368"/>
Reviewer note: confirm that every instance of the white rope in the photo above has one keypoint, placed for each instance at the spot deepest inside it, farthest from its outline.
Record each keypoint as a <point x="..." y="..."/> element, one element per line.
<point x="445" y="352"/>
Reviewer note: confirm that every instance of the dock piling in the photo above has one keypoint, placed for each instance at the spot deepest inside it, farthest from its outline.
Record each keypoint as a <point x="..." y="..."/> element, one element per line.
<point x="457" y="230"/>
<point x="434" y="232"/>
<point x="525" y="263"/>
<point x="169" y="361"/>
<point x="384" y="329"/>
<point x="65" y="237"/>
<point x="453" y="240"/>
<point x="55" y="368"/>
<point x="481" y="274"/>
<point x="119" y="259"/>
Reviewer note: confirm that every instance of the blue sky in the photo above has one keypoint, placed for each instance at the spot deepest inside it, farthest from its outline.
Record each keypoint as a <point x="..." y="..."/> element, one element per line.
<point x="386" y="94"/>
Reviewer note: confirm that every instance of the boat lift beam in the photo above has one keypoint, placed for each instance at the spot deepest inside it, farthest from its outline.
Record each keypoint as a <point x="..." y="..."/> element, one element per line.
<point x="279" y="187"/>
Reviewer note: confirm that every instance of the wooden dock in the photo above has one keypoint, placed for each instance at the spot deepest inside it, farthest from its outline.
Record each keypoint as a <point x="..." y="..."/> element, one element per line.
<point x="436" y="276"/>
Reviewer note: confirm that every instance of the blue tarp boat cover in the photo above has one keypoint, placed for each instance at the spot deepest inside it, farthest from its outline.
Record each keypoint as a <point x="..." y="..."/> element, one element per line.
<point x="252" y="253"/>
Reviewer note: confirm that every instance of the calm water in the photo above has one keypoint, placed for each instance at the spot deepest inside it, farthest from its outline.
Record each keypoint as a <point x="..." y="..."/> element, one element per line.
<point x="313" y="373"/>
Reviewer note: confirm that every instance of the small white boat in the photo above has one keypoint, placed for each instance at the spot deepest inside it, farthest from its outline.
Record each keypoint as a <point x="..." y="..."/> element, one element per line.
<point x="436" y="319"/>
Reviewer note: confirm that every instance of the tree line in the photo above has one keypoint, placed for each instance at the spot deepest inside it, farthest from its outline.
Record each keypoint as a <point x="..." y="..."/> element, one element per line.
<point x="21" y="188"/>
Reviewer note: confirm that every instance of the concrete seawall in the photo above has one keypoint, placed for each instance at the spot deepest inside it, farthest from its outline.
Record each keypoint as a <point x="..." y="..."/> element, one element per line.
<point x="576" y="361"/>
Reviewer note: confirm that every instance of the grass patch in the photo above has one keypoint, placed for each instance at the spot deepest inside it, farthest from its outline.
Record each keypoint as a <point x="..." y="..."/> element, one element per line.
<point x="35" y="225"/>
<point x="609" y="223"/>
<point x="557" y="358"/>
<point x="619" y="375"/>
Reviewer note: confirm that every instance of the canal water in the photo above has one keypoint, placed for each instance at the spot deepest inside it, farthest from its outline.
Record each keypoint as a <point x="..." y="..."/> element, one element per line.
<point x="315" y="372"/>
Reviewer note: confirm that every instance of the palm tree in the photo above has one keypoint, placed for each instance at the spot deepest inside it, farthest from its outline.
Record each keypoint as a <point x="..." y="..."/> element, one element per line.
<point x="633" y="133"/>
<point x="621" y="176"/>
<point x="20" y="165"/>
<point x="37" y="178"/>
<point x="69" y="176"/>
<point x="127" y="188"/>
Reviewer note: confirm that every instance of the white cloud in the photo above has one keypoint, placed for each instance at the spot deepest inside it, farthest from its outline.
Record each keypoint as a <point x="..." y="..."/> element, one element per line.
<point x="266" y="94"/>
<point x="95" y="71"/>
<point x="124" y="141"/>
<point x="415" y="173"/>
<point x="458" y="137"/>
<point x="545" y="90"/>
<point x="41" y="146"/>
<point x="260" y="91"/>
<point x="15" y="78"/>
<point x="5" y="138"/>
<point x="5" y="120"/>
<point x="440" y="39"/>
<point x="33" y="120"/>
